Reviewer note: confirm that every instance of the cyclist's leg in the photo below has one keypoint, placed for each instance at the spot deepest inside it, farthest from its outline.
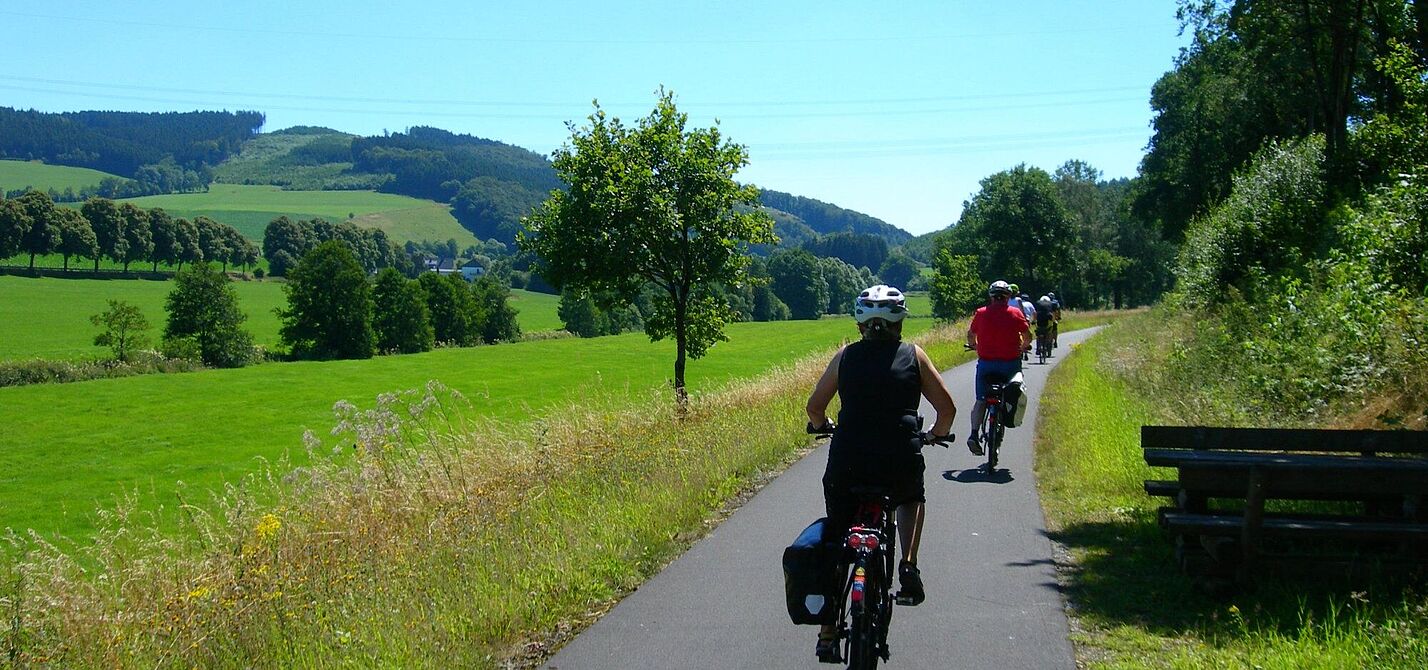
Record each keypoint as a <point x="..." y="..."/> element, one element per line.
<point x="978" y="406"/>
<point x="840" y="507"/>
<point x="909" y="528"/>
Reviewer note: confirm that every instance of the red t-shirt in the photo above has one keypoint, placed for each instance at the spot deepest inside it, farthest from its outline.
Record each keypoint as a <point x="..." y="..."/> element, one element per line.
<point x="999" y="332"/>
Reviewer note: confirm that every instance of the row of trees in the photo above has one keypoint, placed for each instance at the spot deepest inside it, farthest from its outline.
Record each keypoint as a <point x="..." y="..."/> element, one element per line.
<point x="285" y="241"/>
<point x="335" y="310"/>
<point x="1069" y="232"/>
<point x="32" y="224"/>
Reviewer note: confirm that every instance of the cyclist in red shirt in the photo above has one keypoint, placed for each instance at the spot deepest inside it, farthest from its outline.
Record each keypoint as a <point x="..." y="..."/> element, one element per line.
<point x="999" y="333"/>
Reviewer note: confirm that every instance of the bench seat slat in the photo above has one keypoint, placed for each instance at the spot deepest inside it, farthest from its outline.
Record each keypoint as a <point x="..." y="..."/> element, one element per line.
<point x="1284" y="439"/>
<point x="1218" y="524"/>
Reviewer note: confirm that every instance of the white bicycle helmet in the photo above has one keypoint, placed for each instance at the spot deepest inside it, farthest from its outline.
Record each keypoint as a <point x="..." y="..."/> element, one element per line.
<point x="999" y="287"/>
<point x="880" y="302"/>
<point x="1044" y="300"/>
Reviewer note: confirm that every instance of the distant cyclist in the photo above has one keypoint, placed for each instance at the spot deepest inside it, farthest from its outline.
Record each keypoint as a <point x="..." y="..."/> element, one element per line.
<point x="1055" y="324"/>
<point x="1015" y="303"/>
<point x="1000" y="334"/>
<point x="880" y="380"/>
<point x="1028" y="308"/>
<point x="1045" y="318"/>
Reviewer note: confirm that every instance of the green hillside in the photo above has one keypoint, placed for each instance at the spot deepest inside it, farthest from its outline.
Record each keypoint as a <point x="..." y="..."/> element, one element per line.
<point x="250" y="208"/>
<point x="299" y="159"/>
<point x="17" y="175"/>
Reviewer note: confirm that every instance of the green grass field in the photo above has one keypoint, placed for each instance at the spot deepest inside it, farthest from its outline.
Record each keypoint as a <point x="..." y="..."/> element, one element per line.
<point x="1134" y="608"/>
<point x="250" y="208"/>
<point x="68" y="447"/>
<point x="15" y="175"/>
<point x="49" y="318"/>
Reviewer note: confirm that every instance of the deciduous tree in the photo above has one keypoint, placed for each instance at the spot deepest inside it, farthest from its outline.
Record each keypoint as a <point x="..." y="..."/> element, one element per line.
<point x="165" y="232"/>
<point x="108" y="225"/>
<point x="76" y="237"/>
<point x="203" y="308"/>
<point x="797" y="279"/>
<point x="138" y="234"/>
<point x="957" y="290"/>
<point x="124" y="328"/>
<point x="14" y="224"/>
<point x="400" y="319"/>
<point x="329" y="312"/>
<point x="657" y="204"/>
<point x="43" y="235"/>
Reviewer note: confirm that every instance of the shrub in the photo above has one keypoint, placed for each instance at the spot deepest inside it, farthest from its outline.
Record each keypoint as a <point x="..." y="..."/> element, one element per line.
<point x="1271" y="223"/>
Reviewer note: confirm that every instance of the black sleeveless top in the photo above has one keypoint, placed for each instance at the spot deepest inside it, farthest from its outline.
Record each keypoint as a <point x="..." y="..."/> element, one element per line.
<point x="879" y="382"/>
<point x="880" y="387"/>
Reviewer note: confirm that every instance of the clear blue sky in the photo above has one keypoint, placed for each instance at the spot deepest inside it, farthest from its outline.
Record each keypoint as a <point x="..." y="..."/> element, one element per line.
<point x="893" y="109"/>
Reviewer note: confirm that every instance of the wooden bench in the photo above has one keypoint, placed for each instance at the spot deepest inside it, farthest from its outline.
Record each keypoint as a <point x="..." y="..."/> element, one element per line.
<point x="1380" y="477"/>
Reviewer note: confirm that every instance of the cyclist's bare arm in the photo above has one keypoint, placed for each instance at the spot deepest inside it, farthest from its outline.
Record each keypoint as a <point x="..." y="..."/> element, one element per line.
<point x="935" y="390"/>
<point x="1026" y="338"/>
<point x="823" y="393"/>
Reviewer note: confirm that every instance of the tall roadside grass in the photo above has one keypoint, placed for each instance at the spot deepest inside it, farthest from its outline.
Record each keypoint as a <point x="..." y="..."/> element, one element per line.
<point x="416" y="535"/>
<point x="1131" y="607"/>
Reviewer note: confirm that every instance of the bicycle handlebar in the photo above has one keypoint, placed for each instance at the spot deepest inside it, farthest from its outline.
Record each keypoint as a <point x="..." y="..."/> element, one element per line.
<point x="924" y="437"/>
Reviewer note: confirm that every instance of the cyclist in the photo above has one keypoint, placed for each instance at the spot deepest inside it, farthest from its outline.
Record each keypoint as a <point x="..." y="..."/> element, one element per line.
<point x="1056" y="324"/>
<point x="1000" y="334"/>
<point x="1028" y="308"/>
<point x="1045" y="317"/>
<point x="880" y="380"/>
<point x="1015" y="302"/>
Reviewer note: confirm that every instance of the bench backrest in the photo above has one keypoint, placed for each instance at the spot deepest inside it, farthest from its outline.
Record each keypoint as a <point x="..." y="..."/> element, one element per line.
<point x="1284" y="439"/>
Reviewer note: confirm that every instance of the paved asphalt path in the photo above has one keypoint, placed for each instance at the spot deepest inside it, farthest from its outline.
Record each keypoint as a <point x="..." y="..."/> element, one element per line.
<point x="992" y="600"/>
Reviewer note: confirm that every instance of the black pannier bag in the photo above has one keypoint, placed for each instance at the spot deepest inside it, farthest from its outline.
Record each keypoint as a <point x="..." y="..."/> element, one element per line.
<point x="1014" y="402"/>
<point x="810" y="581"/>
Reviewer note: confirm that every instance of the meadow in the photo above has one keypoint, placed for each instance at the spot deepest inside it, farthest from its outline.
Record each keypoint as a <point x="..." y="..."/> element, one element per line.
<point x="70" y="447"/>
<point x="15" y="175"/>
<point x="49" y="318"/>
<point x="250" y="208"/>
<point x="1132" y="606"/>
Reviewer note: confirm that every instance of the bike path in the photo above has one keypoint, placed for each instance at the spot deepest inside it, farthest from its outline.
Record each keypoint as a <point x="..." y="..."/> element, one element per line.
<point x="992" y="595"/>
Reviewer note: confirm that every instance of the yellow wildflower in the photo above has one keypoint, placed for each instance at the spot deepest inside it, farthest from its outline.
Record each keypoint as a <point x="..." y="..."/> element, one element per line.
<point x="267" y="527"/>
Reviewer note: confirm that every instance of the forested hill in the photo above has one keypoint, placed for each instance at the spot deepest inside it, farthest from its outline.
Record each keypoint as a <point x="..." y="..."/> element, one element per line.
<point x="123" y="143"/>
<point x="489" y="184"/>
<point x="826" y="219"/>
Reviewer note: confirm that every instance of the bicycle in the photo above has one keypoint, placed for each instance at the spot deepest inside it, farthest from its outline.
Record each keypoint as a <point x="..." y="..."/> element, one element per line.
<point x="991" y="429"/>
<point x="1043" y="344"/>
<point x="867" y="563"/>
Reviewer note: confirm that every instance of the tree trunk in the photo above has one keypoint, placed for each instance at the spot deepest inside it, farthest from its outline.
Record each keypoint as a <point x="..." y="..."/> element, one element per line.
<point x="681" y="308"/>
<point x="66" y="262"/>
<point x="96" y="264"/>
<point x="32" y="260"/>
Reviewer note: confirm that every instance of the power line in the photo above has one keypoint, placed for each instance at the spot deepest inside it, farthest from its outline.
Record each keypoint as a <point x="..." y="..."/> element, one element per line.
<point x="781" y="40"/>
<point x="509" y="103"/>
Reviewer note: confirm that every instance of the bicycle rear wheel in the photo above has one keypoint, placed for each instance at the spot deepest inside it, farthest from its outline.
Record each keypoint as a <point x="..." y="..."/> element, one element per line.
<point x="990" y="423"/>
<point x="865" y="638"/>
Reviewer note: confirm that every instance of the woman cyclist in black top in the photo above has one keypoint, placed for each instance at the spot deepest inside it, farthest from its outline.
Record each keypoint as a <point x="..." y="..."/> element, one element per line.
<point x="880" y="381"/>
